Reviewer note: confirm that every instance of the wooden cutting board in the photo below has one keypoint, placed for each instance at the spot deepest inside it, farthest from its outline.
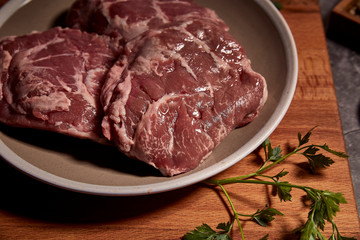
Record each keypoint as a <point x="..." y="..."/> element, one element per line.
<point x="32" y="210"/>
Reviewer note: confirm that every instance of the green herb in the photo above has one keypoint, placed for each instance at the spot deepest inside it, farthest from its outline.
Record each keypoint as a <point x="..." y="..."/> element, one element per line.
<point x="266" y="237"/>
<point x="324" y="204"/>
<point x="264" y="216"/>
<point x="277" y="4"/>
<point x="206" y="232"/>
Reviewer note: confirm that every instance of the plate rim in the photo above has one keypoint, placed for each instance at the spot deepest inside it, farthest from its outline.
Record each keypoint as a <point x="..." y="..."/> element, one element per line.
<point x="106" y="190"/>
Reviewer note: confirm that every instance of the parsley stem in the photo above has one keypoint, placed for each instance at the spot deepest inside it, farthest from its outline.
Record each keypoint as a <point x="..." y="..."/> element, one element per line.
<point x="283" y="184"/>
<point x="264" y="168"/>
<point x="246" y="215"/>
<point x="234" y="210"/>
<point x="260" y="170"/>
<point x="216" y="182"/>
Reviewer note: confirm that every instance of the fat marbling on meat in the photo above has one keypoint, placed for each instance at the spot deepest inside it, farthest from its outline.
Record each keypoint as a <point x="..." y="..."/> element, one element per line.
<point x="130" y="18"/>
<point x="165" y="82"/>
<point x="182" y="85"/>
<point x="177" y="92"/>
<point x="51" y="80"/>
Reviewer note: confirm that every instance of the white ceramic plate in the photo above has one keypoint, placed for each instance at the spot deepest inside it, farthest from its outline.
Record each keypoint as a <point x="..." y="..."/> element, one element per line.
<point x="87" y="167"/>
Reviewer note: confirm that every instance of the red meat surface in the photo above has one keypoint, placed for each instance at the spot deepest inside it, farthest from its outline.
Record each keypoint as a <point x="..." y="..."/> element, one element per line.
<point x="178" y="92"/>
<point x="51" y="80"/>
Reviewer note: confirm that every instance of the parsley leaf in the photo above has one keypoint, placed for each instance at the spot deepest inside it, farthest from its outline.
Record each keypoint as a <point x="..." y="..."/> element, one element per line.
<point x="280" y="175"/>
<point x="266" y="215"/>
<point x="310" y="231"/>
<point x="316" y="160"/>
<point x="284" y="192"/>
<point x="207" y="233"/>
<point x="325" y="205"/>
<point x="271" y="154"/>
<point x="224" y="226"/>
<point x="306" y="138"/>
<point x="336" y="153"/>
<point x="324" y="208"/>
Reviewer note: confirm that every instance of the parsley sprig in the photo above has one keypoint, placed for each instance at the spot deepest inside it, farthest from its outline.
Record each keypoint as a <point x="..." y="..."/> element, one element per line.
<point x="324" y="204"/>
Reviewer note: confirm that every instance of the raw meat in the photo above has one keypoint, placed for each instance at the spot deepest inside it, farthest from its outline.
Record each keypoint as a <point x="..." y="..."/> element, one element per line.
<point x="130" y="18"/>
<point x="165" y="82"/>
<point x="178" y="92"/>
<point x="52" y="80"/>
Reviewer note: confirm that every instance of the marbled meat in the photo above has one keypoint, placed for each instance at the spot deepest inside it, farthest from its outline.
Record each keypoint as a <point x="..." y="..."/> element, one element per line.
<point x="51" y="80"/>
<point x="130" y="18"/>
<point x="181" y="86"/>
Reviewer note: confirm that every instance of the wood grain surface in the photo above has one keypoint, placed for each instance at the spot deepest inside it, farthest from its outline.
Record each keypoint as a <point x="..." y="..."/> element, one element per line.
<point x="30" y="209"/>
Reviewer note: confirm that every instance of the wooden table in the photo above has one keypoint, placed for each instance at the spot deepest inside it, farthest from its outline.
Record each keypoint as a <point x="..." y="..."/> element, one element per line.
<point x="32" y="210"/>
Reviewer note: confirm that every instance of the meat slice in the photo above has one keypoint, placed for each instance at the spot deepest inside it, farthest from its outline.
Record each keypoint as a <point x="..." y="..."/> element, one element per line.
<point x="52" y="81"/>
<point x="165" y="82"/>
<point x="177" y="93"/>
<point x="130" y="18"/>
